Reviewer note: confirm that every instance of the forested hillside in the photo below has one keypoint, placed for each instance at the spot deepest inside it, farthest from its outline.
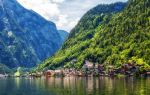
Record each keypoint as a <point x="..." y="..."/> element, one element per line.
<point x="109" y="35"/>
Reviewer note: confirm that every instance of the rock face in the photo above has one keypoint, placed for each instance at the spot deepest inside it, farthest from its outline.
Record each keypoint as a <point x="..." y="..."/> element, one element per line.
<point x="26" y="38"/>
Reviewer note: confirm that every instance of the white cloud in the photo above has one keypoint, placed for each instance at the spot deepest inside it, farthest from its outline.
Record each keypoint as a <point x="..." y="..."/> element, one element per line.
<point x="73" y="23"/>
<point x="65" y="13"/>
<point x="62" y="19"/>
<point x="58" y="1"/>
<point x="44" y="7"/>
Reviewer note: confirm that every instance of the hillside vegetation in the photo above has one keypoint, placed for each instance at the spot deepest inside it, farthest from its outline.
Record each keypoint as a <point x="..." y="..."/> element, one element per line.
<point x="109" y="35"/>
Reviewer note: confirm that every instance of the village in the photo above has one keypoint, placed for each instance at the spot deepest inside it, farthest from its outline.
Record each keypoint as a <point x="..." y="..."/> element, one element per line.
<point x="94" y="70"/>
<point x="88" y="70"/>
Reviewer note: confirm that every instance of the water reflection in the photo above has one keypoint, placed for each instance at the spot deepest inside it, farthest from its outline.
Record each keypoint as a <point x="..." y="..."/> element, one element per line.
<point x="75" y="86"/>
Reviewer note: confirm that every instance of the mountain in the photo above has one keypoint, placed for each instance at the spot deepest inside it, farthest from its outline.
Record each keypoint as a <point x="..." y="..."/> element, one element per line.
<point x="108" y="37"/>
<point x="4" y="69"/>
<point x="63" y="34"/>
<point x="81" y="44"/>
<point x="26" y="38"/>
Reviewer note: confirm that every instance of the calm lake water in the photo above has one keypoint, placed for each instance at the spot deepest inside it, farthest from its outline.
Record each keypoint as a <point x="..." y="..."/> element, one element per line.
<point x="75" y="86"/>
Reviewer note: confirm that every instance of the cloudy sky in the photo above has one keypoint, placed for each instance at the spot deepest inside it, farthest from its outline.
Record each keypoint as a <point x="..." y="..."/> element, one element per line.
<point x="65" y="13"/>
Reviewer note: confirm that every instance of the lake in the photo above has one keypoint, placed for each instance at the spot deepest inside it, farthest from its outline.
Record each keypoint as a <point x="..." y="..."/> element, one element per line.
<point x="75" y="86"/>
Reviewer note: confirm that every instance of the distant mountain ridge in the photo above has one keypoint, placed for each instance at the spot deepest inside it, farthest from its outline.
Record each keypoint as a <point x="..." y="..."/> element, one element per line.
<point x="26" y="38"/>
<point x="63" y="34"/>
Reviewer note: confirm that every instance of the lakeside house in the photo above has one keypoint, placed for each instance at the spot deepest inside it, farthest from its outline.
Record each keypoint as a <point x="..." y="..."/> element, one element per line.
<point x="37" y="74"/>
<point x="88" y="64"/>
<point x="59" y="73"/>
<point x="49" y="73"/>
<point x="88" y="68"/>
<point x="148" y="74"/>
<point x="101" y="69"/>
<point x="94" y="69"/>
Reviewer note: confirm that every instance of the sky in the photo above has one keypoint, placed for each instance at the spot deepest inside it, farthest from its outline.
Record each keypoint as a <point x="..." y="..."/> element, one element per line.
<point x="64" y="13"/>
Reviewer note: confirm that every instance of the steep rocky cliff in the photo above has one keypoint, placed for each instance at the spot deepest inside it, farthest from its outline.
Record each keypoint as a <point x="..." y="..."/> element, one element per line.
<point x="26" y="38"/>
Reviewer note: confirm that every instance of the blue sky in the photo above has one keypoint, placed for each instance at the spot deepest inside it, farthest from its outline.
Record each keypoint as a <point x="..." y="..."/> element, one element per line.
<point x="65" y="13"/>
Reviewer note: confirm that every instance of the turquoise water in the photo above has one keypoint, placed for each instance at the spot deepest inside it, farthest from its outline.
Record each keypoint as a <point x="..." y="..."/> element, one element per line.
<point x="75" y="86"/>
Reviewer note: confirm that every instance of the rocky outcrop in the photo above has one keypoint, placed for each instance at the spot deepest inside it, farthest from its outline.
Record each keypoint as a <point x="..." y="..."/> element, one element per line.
<point x="26" y="38"/>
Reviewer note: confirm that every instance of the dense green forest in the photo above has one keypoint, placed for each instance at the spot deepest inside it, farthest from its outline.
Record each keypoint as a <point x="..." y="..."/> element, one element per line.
<point x="109" y="35"/>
